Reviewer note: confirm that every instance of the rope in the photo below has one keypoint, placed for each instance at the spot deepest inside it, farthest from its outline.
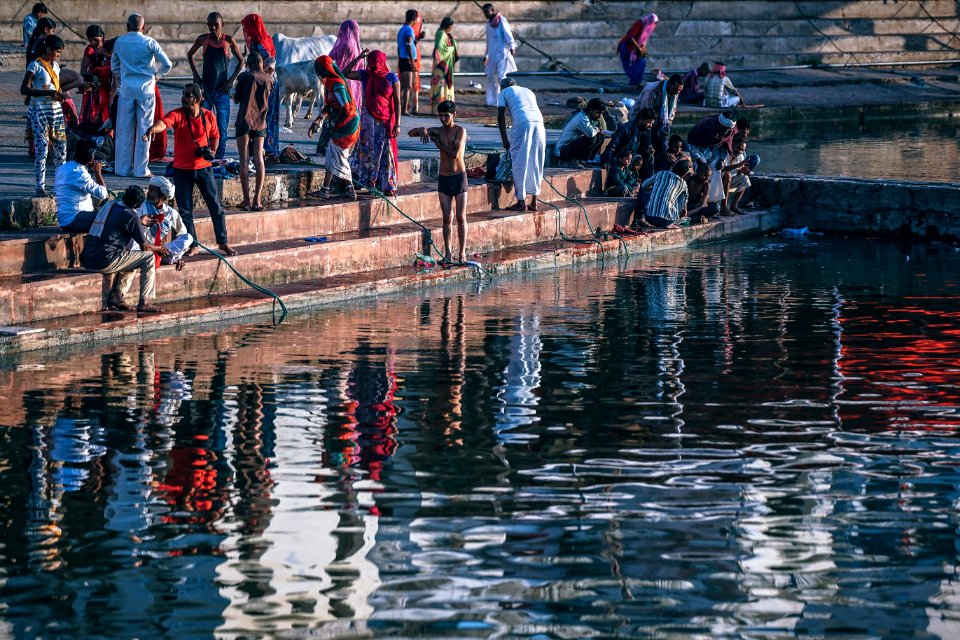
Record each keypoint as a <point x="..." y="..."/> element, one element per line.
<point x="426" y="230"/>
<point x="66" y="24"/>
<point x="252" y="285"/>
<point x="942" y="26"/>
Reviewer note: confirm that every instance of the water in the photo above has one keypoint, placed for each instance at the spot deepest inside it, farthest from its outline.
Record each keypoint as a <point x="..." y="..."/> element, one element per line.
<point x="926" y="151"/>
<point x="754" y="439"/>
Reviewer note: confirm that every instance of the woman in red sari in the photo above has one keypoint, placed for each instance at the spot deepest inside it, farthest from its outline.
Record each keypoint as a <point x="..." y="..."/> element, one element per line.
<point x="375" y="161"/>
<point x="95" y="108"/>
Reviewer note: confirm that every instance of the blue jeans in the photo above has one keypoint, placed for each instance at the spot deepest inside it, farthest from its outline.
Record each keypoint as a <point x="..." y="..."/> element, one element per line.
<point x="183" y="182"/>
<point x="219" y="103"/>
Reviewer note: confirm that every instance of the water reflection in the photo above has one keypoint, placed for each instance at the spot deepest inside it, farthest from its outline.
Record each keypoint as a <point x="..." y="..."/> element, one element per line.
<point x="750" y="439"/>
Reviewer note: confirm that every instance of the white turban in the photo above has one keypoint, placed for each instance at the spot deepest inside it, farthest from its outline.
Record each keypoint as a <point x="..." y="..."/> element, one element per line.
<point x="166" y="187"/>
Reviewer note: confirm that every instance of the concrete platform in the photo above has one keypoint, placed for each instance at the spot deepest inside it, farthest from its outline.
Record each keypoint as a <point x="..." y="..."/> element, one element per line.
<point x="78" y="332"/>
<point x="283" y="256"/>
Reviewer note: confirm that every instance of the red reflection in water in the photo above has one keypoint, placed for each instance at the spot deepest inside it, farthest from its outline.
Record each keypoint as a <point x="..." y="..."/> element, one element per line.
<point x="903" y="361"/>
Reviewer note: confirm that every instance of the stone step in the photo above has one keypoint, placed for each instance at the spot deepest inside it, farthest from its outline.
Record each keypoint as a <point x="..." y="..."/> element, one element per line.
<point x="281" y="183"/>
<point x="24" y="352"/>
<point x="37" y="297"/>
<point x="47" y="249"/>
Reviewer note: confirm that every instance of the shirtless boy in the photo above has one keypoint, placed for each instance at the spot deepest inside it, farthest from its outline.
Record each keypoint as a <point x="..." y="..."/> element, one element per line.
<point x="451" y="140"/>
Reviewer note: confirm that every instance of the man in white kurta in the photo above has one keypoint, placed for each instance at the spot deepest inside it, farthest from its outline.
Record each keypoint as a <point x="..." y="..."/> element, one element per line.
<point x="527" y="142"/>
<point x="136" y="63"/>
<point x="498" y="59"/>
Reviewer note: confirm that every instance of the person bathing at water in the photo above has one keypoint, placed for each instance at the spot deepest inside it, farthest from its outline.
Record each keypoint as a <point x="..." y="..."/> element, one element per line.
<point x="451" y="140"/>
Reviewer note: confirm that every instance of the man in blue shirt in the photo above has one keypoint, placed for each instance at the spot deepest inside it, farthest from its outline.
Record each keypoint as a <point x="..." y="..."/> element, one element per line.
<point x="407" y="50"/>
<point x="30" y="20"/>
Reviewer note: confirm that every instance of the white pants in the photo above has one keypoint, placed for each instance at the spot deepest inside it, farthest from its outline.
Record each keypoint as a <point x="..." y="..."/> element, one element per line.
<point x="134" y="118"/>
<point x="496" y="71"/>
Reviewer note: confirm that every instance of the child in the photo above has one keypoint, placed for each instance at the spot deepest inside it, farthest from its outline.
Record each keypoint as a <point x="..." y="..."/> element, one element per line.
<point x="621" y="180"/>
<point x="699" y="209"/>
<point x="736" y="173"/>
<point x="253" y="96"/>
<point x="665" y="160"/>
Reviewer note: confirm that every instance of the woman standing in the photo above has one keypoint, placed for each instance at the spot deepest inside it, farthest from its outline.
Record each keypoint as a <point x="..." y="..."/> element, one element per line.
<point x="633" y="48"/>
<point x="41" y="83"/>
<point x="257" y="39"/>
<point x="253" y="96"/>
<point x="445" y="56"/>
<point x="95" y="108"/>
<point x="344" y="125"/>
<point x="347" y="48"/>
<point x="375" y="162"/>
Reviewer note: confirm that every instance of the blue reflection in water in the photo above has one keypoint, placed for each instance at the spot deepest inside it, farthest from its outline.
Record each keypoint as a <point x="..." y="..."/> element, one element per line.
<point x="753" y="439"/>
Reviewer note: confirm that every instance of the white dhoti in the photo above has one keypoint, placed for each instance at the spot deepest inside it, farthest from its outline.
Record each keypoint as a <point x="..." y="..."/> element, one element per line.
<point x="177" y="247"/>
<point x="496" y="70"/>
<point x="134" y="118"/>
<point x="337" y="162"/>
<point x="528" y="153"/>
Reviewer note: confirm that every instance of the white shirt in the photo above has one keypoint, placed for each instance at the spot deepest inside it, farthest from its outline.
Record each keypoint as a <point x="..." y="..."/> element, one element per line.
<point x="499" y="40"/>
<point x="522" y="104"/>
<point x="139" y="61"/>
<point x="73" y="188"/>
<point x="42" y="80"/>
<point x="578" y="125"/>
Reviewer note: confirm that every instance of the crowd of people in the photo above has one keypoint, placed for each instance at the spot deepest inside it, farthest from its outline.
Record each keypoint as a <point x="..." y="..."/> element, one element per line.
<point x="357" y="129"/>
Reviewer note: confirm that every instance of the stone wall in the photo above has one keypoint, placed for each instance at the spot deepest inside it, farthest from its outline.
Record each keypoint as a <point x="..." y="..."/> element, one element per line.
<point x="864" y="206"/>
<point x="583" y="33"/>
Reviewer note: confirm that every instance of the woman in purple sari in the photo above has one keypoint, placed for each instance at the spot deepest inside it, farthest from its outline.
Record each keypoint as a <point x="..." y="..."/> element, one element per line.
<point x="347" y="48"/>
<point x="633" y="48"/>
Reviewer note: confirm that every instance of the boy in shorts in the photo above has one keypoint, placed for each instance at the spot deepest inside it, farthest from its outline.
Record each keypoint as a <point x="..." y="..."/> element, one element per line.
<point x="451" y="140"/>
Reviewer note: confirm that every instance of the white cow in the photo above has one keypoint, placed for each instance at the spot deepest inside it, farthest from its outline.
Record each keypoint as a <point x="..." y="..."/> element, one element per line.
<point x="290" y="50"/>
<point x="298" y="82"/>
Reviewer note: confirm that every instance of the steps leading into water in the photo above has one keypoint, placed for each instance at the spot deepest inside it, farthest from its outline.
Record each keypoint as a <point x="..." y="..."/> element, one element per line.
<point x="47" y="249"/>
<point x="247" y="305"/>
<point x="282" y="255"/>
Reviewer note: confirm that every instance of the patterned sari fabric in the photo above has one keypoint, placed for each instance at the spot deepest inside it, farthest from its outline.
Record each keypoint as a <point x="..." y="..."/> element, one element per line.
<point x="444" y="58"/>
<point x="375" y="162"/>
<point x="339" y="103"/>
<point x="345" y="49"/>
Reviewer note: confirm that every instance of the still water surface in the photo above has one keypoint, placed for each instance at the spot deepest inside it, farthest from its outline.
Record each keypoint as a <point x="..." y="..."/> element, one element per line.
<point x="754" y="439"/>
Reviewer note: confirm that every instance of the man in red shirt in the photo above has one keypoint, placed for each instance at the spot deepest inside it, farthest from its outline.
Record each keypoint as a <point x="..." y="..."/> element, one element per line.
<point x="195" y="138"/>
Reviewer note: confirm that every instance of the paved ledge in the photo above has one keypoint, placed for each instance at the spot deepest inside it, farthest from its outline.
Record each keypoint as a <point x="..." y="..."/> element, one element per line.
<point x="854" y="205"/>
<point x="249" y="307"/>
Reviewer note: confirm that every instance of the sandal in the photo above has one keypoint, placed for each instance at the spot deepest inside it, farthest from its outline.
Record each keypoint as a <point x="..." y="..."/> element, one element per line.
<point x="256" y="207"/>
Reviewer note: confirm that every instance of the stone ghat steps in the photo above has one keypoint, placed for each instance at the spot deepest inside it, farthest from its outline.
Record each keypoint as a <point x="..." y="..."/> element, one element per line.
<point x="282" y="182"/>
<point x="48" y="249"/>
<point x="244" y="306"/>
<point x="38" y="297"/>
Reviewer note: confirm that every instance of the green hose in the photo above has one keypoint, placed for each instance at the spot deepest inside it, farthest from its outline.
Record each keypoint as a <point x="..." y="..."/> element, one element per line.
<point x="596" y="233"/>
<point x="252" y="285"/>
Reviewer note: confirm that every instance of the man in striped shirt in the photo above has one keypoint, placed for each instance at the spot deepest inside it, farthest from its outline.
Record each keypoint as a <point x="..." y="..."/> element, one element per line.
<point x="667" y="199"/>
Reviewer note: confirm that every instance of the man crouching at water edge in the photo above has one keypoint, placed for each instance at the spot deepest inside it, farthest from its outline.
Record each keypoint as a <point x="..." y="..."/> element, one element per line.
<point x="451" y="140"/>
<point x="667" y="199"/>
<point x="160" y="220"/>
<point x="105" y="251"/>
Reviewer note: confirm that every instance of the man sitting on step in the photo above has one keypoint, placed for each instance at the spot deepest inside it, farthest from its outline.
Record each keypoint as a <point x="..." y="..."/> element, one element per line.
<point x="160" y="219"/>
<point x="583" y="134"/>
<point x="75" y="189"/>
<point x="105" y="251"/>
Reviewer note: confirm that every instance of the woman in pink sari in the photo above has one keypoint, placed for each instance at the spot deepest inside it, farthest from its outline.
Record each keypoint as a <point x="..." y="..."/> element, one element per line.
<point x="346" y="48"/>
<point x="375" y="161"/>
<point x="632" y="48"/>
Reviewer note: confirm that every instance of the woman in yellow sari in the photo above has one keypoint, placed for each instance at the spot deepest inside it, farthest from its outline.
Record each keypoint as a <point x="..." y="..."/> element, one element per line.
<point x="444" y="58"/>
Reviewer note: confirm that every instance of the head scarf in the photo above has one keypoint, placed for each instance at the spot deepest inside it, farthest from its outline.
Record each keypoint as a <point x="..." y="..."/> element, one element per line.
<point x="254" y="28"/>
<point x="346" y="127"/>
<point x="378" y="94"/>
<point x="641" y="30"/>
<point x="725" y="122"/>
<point x="720" y="69"/>
<point x="347" y="46"/>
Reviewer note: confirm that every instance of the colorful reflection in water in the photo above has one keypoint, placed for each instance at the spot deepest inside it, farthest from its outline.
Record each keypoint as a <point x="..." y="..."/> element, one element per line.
<point x="752" y="439"/>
